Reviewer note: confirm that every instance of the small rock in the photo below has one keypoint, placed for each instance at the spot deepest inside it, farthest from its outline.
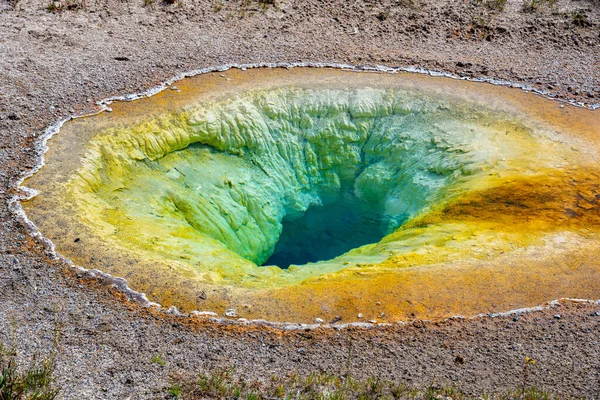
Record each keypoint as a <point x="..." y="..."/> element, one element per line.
<point x="516" y="318"/>
<point x="459" y="359"/>
<point x="556" y="316"/>
<point x="596" y="313"/>
<point x="108" y="109"/>
<point x="174" y="87"/>
<point x="360" y="316"/>
<point x="318" y="320"/>
<point x="230" y="313"/>
<point x="373" y="321"/>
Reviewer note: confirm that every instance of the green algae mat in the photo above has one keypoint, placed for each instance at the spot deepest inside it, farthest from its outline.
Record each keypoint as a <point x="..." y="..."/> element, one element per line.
<point x="295" y="194"/>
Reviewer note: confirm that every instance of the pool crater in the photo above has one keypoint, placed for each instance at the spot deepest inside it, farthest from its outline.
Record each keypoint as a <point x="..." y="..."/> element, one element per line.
<point x="289" y="195"/>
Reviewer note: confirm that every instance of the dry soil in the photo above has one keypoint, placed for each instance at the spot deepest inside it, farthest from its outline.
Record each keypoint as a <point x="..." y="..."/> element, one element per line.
<point x="55" y="63"/>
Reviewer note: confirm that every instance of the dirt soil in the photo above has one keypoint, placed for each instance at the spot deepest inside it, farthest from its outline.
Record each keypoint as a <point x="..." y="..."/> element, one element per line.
<point x="55" y="63"/>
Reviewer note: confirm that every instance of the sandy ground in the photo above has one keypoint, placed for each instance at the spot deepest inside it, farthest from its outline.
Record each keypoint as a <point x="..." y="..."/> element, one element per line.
<point x="52" y="64"/>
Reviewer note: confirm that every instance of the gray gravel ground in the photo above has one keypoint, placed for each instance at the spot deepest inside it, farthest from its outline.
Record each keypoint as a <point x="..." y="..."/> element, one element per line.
<point x="52" y="63"/>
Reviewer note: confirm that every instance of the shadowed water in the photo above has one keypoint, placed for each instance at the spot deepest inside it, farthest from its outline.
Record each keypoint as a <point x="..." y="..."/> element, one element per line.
<point x="326" y="231"/>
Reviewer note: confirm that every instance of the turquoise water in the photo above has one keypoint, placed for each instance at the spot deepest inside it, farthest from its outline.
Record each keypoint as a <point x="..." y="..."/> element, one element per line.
<point x="326" y="231"/>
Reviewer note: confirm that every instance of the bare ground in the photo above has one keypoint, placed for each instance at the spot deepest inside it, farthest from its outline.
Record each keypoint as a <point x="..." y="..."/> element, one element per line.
<point x="53" y="63"/>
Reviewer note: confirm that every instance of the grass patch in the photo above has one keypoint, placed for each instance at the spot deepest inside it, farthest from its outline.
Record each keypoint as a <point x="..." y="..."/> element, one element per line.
<point x="496" y="5"/>
<point x="580" y="18"/>
<point x="223" y="384"/>
<point x="247" y="5"/>
<point x="157" y="359"/>
<point x="535" y="5"/>
<point x="58" y="6"/>
<point x="266" y="3"/>
<point x="32" y="383"/>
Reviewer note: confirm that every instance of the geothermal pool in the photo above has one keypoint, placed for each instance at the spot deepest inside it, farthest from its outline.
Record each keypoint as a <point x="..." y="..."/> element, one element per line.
<point x="296" y="194"/>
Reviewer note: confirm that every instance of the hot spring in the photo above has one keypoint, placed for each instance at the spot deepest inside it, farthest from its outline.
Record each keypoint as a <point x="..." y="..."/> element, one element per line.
<point x="295" y="194"/>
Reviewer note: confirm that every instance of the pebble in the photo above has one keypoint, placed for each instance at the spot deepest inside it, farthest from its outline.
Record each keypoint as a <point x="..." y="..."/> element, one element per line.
<point x="108" y="109"/>
<point x="318" y="320"/>
<point x="230" y="312"/>
<point x="360" y="315"/>
<point x="557" y="316"/>
<point x="596" y="313"/>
